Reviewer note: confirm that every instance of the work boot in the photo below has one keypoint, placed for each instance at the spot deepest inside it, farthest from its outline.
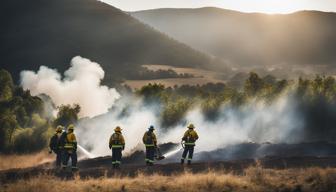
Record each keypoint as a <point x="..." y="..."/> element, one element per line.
<point x="117" y="166"/>
<point x="189" y="162"/>
<point x="182" y="161"/>
<point x="64" y="167"/>
<point x="74" y="168"/>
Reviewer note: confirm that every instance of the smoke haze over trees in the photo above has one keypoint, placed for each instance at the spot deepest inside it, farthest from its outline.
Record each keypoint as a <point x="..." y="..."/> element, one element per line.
<point x="305" y="106"/>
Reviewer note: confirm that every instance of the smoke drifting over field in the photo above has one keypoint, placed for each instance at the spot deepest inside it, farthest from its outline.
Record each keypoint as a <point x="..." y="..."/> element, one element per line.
<point x="80" y="85"/>
<point x="284" y="120"/>
<point x="131" y="115"/>
<point x="256" y="122"/>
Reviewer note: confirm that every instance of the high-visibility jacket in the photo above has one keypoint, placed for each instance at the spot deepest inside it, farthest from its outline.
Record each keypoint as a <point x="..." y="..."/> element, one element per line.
<point x="70" y="141"/>
<point x="117" y="140"/>
<point x="190" y="137"/>
<point x="149" y="139"/>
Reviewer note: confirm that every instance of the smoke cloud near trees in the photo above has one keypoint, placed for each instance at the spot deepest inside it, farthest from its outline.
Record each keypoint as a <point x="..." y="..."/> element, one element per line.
<point x="275" y="112"/>
<point x="80" y="85"/>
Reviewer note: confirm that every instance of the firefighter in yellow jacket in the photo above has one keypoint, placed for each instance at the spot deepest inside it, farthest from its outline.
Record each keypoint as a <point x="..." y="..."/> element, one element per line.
<point x="117" y="144"/>
<point x="189" y="139"/>
<point x="149" y="139"/>
<point x="70" y="148"/>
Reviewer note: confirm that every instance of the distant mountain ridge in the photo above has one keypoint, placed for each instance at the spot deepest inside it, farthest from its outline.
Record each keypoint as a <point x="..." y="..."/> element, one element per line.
<point x="305" y="38"/>
<point x="51" y="32"/>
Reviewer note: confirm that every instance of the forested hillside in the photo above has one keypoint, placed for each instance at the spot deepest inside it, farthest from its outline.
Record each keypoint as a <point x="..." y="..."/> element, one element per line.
<point x="50" y="33"/>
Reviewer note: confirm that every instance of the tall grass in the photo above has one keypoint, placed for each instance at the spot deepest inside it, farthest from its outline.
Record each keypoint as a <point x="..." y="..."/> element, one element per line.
<point x="23" y="161"/>
<point x="254" y="179"/>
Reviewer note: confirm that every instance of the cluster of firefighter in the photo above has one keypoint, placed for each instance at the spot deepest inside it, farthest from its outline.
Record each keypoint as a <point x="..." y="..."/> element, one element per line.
<point x="64" y="145"/>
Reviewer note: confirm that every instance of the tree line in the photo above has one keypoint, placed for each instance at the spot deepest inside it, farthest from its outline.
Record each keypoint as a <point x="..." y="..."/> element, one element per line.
<point x="25" y="125"/>
<point x="24" y="120"/>
<point x="178" y="100"/>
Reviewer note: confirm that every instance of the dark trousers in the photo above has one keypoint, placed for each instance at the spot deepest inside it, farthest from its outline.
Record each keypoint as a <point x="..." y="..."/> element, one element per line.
<point x="68" y="155"/>
<point x="116" y="156"/>
<point x="59" y="157"/>
<point x="150" y="153"/>
<point x="188" y="149"/>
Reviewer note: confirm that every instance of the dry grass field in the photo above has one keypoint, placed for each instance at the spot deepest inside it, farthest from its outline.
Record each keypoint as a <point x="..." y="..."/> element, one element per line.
<point x="253" y="179"/>
<point x="23" y="161"/>
<point x="200" y="77"/>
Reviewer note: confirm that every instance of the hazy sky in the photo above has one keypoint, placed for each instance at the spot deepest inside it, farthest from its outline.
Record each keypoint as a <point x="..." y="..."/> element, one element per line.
<point x="265" y="6"/>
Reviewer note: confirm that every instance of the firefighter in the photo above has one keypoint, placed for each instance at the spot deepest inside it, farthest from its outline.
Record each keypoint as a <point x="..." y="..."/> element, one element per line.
<point x="189" y="139"/>
<point x="70" y="148"/>
<point x="56" y="146"/>
<point x="117" y="144"/>
<point x="149" y="139"/>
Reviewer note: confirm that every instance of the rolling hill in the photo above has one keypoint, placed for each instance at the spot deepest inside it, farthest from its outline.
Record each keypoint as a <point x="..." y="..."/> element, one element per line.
<point x="305" y="40"/>
<point x="50" y="33"/>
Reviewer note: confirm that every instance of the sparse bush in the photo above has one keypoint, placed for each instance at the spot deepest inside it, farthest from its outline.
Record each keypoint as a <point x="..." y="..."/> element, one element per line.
<point x="67" y="115"/>
<point x="31" y="139"/>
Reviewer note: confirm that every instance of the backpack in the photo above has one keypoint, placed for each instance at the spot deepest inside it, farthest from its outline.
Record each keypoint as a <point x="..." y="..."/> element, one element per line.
<point x="62" y="140"/>
<point x="149" y="138"/>
<point x="189" y="137"/>
<point x="53" y="144"/>
<point x="116" y="139"/>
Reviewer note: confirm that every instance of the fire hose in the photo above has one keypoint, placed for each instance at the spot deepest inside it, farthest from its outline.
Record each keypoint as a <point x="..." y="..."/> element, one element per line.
<point x="183" y="144"/>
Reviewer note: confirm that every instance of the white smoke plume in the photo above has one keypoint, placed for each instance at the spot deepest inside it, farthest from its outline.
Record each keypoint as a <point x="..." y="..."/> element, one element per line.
<point x="256" y="122"/>
<point x="95" y="133"/>
<point x="81" y="85"/>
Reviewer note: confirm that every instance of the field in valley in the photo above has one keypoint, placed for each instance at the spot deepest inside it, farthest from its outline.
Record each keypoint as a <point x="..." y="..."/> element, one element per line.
<point x="201" y="77"/>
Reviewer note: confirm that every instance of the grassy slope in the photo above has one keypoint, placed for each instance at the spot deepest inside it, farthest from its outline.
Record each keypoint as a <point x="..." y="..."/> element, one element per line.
<point x="303" y="38"/>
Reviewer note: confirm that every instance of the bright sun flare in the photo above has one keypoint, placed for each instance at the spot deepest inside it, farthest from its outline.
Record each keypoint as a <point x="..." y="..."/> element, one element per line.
<point x="266" y="6"/>
<point x="262" y="6"/>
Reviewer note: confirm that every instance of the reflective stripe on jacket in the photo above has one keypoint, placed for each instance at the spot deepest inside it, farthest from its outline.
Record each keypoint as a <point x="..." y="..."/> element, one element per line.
<point x="117" y="140"/>
<point x="190" y="137"/>
<point x="71" y="142"/>
<point x="149" y="139"/>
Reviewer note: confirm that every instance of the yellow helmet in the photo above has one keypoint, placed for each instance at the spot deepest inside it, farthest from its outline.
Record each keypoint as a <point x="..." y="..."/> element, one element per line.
<point x="59" y="128"/>
<point x="71" y="127"/>
<point x="117" y="129"/>
<point x="191" y="126"/>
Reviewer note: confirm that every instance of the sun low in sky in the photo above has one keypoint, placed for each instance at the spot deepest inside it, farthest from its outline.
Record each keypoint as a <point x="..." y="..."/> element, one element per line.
<point x="263" y="6"/>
